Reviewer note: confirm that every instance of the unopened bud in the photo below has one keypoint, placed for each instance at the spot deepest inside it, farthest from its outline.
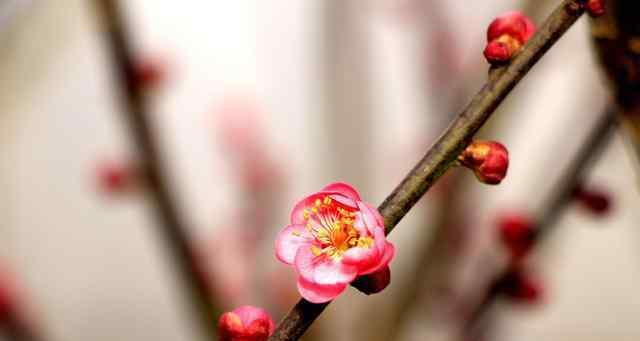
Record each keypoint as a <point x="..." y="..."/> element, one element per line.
<point x="115" y="177"/>
<point x="506" y="35"/>
<point x="595" y="8"/>
<point x="489" y="160"/>
<point x="595" y="201"/>
<point x="517" y="233"/>
<point x="245" y="323"/>
<point x="150" y="71"/>
<point x="521" y="286"/>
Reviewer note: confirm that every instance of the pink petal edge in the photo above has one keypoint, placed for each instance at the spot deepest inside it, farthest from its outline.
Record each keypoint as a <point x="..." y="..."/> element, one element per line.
<point x="343" y="188"/>
<point x="323" y="270"/>
<point x="297" y="214"/>
<point x="287" y="243"/>
<point x="316" y="293"/>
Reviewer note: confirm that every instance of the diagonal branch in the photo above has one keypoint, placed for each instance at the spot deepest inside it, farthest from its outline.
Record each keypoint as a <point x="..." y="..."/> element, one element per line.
<point x="136" y="114"/>
<point x="443" y="153"/>
<point x="598" y="138"/>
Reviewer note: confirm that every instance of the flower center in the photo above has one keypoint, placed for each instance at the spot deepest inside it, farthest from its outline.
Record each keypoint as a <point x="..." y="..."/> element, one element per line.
<point x="332" y="226"/>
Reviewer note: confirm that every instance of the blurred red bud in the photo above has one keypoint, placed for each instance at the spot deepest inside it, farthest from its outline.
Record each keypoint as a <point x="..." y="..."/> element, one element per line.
<point x="8" y="295"/>
<point x="6" y="303"/>
<point x="506" y="35"/>
<point x="488" y="159"/>
<point x="596" y="8"/>
<point x="517" y="233"/>
<point x="151" y="71"/>
<point x="245" y="323"/>
<point x="522" y="286"/>
<point x="373" y="283"/>
<point x="116" y="177"/>
<point x="595" y="201"/>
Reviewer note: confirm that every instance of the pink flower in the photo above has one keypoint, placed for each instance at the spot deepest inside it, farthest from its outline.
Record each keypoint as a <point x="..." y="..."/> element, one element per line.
<point x="333" y="238"/>
<point x="245" y="323"/>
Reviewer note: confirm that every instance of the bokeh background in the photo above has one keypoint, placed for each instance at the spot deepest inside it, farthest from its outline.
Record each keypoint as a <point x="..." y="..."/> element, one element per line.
<point x="314" y="92"/>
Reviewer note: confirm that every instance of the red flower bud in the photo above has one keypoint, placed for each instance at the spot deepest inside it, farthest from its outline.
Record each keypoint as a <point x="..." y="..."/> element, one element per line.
<point x="373" y="283"/>
<point x="596" y="8"/>
<point x="8" y="295"/>
<point x="506" y="35"/>
<point x="595" y="201"/>
<point x="522" y="286"/>
<point x="517" y="233"/>
<point x="488" y="159"/>
<point x="6" y="303"/>
<point x="150" y="71"/>
<point x="116" y="177"/>
<point x="245" y="323"/>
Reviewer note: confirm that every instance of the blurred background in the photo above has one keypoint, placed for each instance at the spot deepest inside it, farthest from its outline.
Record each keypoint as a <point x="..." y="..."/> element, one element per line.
<point x="258" y="103"/>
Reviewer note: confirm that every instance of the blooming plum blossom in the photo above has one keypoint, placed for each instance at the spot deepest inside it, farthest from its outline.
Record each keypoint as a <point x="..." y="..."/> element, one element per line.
<point x="333" y="238"/>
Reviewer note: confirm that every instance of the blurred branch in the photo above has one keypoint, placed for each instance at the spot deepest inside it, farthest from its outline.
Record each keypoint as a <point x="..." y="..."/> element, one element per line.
<point x="599" y="136"/>
<point x="447" y="148"/>
<point x="19" y="329"/>
<point x="433" y="276"/>
<point x="617" y="42"/>
<point x="136" y="114"/>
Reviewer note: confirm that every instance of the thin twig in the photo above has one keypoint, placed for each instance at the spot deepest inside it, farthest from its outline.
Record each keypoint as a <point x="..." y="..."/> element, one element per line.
<point x="444" y="152"/>
<point x="136" y="114"/>
<point x="599" y="137"/>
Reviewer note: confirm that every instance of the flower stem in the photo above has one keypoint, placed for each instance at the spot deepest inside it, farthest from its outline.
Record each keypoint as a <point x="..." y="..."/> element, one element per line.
<point x="598" y="138"/>
<point x="447" y="148"/>
<point x="136" y="114"/>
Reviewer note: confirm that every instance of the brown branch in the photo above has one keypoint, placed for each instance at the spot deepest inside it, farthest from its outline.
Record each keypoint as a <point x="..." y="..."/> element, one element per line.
<point x="136" y="112"/>
<point x="446" y="149"/>
<point x="598" y="138"/>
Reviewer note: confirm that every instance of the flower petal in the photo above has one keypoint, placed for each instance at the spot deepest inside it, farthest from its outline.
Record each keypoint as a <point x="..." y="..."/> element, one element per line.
<point x="322" y="269"/>
<point x="366" y="259"/>
<point x="370" y="217"/>
<point x="387" y="256"/>
<point x="317" y="293"/>
<point x="289" y="241"/>
<point x="343" y="189"/>
<point x="345" y="201"/>
<point x="376" y="214"/>
<point x="297" y="214"/>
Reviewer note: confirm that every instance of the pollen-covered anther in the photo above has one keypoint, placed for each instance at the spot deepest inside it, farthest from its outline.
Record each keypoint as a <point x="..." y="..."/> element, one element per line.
<point x="489" y="160"/>
<point x="506" y="35"/>
<point x="333" y="227"/>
